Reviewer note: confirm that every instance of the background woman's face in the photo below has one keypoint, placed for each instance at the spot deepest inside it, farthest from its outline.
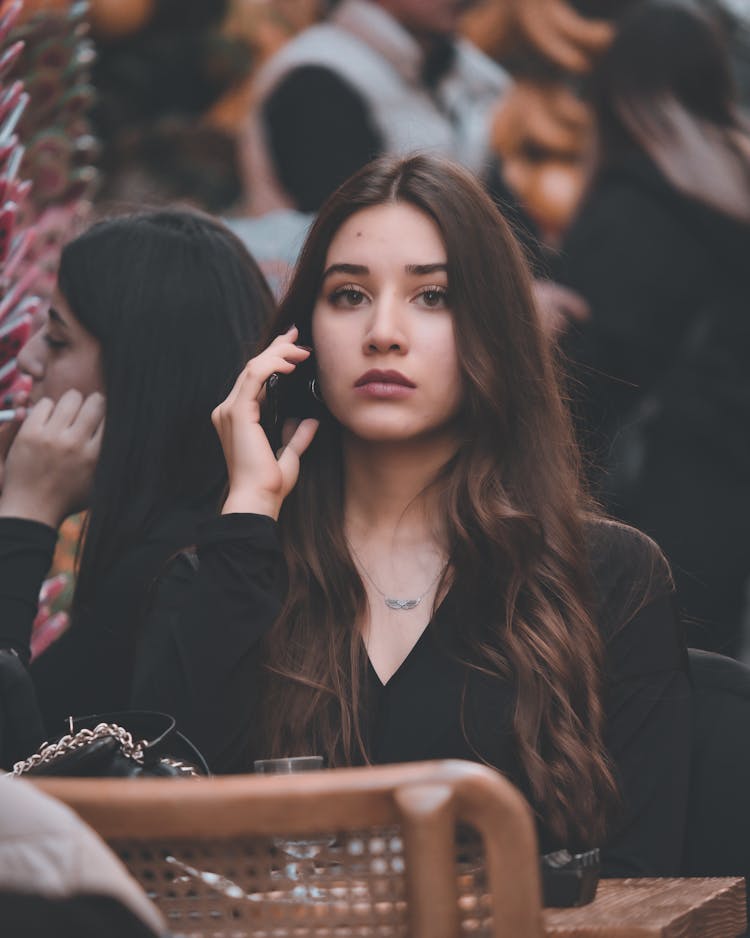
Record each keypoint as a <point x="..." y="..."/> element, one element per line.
<point x="383" y="327"/>
<point x="62" y="355"/>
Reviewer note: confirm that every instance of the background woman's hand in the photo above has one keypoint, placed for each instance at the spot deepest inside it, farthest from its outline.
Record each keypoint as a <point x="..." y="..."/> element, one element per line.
<point x="259" y="479"/>
<point x="50" y="465"/>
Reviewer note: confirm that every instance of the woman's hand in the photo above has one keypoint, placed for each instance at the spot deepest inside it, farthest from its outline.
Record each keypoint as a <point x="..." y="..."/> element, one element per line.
<point x="260" y="480"/>
<point x="50" y="465"/>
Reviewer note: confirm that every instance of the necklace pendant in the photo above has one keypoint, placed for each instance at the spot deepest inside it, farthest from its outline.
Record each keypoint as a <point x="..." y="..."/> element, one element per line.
<point x="401" y="603"/>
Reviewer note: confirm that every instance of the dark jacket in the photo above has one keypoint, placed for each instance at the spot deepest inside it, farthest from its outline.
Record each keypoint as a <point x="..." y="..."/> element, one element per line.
<point x="668" y="282"/>
<point x="661" y="381"/>
<point x="89" y="669"/>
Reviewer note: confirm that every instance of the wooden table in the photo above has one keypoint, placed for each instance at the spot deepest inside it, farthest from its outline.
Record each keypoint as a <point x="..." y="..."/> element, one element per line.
<point x="656" y="908"/>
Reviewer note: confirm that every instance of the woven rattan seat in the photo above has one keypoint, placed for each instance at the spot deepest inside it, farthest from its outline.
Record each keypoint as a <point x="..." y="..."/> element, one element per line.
<point x="428" y="850"/>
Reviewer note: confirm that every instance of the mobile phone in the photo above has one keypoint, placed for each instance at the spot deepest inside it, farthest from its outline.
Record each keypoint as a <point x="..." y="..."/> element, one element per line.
<point x="290" y="396"/>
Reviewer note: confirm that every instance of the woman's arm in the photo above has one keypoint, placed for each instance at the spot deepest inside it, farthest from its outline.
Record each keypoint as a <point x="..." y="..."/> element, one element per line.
<point x="649" y="738"/>
<point x="199" y="654"/>
<point x="26" y="549"/>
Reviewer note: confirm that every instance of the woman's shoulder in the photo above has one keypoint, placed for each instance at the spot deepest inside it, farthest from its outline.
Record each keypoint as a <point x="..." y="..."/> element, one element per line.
<point x="628" y="569"/>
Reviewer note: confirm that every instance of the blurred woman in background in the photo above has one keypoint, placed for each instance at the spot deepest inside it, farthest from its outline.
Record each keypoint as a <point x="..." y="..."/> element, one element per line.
<point x="154" y="316"/>
<point x="660" y="251"/>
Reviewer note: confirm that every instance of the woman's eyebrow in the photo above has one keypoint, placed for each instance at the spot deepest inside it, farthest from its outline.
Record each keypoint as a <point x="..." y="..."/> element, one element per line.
<point x="354" y="269"/>
<point x="420" y="270"/>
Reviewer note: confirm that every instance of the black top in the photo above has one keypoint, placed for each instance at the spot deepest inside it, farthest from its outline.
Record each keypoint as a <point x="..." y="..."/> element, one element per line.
<point x="89" y="668"/>
<point x="199" y="660"/>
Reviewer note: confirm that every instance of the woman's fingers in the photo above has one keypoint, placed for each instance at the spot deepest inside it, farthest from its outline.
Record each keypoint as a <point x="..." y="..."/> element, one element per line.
<point x="66" y="410"/>
<point x="284" y="359"/>
<point x="40" y="413"/>
<point x="91" y="415"/>
<point x="258" y="481"/>
<point x="244" y="398"/>
<point x="94" y="440"/>
<point x="49" y="468"/>
<point x="290" y="455"/>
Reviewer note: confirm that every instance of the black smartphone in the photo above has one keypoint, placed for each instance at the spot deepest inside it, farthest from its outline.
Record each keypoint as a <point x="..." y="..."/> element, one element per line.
<point x="290" y="396"/>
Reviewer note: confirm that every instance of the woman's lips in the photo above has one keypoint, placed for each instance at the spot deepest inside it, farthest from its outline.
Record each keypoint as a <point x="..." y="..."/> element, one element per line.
<point x="384" y="385"/>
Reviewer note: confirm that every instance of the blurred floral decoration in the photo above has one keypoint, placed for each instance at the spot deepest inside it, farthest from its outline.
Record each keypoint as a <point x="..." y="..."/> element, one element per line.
<point x="45" y="140"/>
<point x="18" y="303"/>
<point x="60" y="150"/>
<point x="162" y="65"/>
<point x="543" y="128"/>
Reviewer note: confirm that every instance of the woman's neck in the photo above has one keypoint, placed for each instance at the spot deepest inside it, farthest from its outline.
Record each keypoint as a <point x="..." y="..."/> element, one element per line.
<point x="387" y="489"/>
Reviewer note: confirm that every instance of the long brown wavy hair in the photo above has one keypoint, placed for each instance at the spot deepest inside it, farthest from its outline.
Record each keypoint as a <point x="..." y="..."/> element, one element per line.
<point x="513" y="508"/>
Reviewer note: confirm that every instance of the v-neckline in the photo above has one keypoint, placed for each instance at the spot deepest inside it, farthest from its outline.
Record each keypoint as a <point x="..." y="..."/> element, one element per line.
<point x="408" y="657"/>
<point x="404" y="661"/>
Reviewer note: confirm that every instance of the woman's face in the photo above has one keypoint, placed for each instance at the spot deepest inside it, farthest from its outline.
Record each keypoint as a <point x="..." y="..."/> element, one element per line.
<point x="383" y="328"/>
<point x="61" y="355"/>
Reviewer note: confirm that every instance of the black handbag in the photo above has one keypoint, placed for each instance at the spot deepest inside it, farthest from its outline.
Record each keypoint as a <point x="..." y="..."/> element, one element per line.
<point x="126" y="744"/>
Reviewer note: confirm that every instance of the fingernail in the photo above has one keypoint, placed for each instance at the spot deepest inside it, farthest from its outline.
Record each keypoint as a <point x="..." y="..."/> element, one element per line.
<point x="307" y="348"/>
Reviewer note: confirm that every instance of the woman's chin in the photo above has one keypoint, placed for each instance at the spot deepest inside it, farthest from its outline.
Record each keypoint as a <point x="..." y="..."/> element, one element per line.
<point x="393" y="433"/>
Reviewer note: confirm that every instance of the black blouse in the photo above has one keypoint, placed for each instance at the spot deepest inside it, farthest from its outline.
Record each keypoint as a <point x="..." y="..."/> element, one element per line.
<point x="198" y="659"/>
<point x="89" y="669"/>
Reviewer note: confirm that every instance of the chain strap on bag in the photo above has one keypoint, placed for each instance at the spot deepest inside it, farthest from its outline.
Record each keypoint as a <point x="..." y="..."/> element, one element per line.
<point x="101" y="746"/>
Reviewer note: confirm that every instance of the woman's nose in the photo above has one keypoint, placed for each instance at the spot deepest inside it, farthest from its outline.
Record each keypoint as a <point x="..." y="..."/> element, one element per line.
<point x="31" y="357"/>
<point x="386" y="327"/>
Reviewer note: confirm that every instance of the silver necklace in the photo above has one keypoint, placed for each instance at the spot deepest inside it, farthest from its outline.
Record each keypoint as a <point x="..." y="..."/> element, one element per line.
<point x="391" y="601"/>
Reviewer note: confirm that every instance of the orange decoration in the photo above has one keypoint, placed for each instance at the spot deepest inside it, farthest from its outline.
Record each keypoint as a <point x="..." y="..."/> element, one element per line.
<point x="543" y="117"/>
<point x="32" y="7"/>
<point x="113" y="19"/>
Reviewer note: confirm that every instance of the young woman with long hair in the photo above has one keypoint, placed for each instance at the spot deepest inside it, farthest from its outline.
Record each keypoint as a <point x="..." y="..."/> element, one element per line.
<point x="154" y="316"/>
<point x="416" y="574"/>
<point x="659" y="251"/>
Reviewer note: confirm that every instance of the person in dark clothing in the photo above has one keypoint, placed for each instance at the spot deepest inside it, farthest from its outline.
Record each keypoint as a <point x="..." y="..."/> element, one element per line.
<point x="154" y="316"/>
<point x="416" y="574"/>
<point x="377" y="77"/>
<point x="660" y="251"/>
<point x="382" y="77"/>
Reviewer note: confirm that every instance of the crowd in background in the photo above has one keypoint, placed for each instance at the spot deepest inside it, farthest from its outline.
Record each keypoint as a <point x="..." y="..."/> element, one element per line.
<point x="613" y="141"/>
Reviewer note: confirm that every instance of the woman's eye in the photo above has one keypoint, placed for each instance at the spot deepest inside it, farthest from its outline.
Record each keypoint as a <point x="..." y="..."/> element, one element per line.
<point x="347" y="296"/>
<point x="54" y="344"/>
<point x="434" y="297"/>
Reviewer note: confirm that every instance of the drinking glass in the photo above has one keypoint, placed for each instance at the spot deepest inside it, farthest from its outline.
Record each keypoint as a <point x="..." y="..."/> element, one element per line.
<point x="300" y="871"/>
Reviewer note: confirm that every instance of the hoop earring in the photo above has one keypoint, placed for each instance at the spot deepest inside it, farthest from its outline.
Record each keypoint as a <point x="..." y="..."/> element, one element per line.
<point x="315" y="390"/>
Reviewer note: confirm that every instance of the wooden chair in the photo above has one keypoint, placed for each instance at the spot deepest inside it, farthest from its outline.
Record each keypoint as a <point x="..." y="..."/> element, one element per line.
<point x="424" y="850"/>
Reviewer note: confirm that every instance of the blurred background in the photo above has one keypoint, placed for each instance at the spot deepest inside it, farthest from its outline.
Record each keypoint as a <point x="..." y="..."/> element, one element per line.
<point x="112" y="104"/>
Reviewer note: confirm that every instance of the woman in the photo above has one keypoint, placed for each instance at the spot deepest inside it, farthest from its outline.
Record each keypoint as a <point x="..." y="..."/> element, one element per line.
<point x="659" y="250"/>
<point x="154" y="316"/>
<point x="415" y="576"/>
